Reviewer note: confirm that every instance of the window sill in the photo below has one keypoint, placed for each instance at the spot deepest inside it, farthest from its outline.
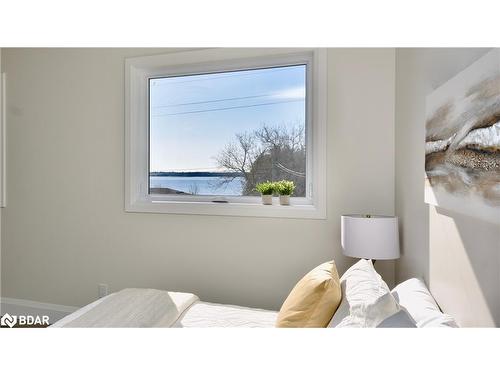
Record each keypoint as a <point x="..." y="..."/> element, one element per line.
<point x="294" y="211"/>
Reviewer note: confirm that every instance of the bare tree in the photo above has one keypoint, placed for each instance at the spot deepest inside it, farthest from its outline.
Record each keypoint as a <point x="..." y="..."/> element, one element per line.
<point x="240" y="157"/>
<point x="269" y="153"/>
<point x="282" y="137"/>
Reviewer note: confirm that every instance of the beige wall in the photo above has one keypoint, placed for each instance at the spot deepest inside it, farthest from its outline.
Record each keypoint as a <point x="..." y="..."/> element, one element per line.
<point x="458" y="256"/>
<point x="65" y="229"/>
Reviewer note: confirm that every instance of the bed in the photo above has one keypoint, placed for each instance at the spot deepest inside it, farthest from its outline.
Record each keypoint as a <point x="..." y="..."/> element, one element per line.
<point x="364" y="301"/>
<point x="187" y="311"/>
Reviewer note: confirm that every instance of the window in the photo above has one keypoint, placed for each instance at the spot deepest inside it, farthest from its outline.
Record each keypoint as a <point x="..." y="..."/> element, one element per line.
<point x="204" y="127"/>
<point x="219" y="134"/>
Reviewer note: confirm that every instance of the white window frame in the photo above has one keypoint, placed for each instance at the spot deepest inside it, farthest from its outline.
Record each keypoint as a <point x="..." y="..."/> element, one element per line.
<point x="139" y="70"/>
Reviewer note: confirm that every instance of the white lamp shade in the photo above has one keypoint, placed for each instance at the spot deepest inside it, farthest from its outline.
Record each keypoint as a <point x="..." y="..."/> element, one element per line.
<point x="370" y="237"/>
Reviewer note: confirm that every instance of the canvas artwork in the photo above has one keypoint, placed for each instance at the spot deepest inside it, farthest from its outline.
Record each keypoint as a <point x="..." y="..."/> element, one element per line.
<point x="462" y="149"/>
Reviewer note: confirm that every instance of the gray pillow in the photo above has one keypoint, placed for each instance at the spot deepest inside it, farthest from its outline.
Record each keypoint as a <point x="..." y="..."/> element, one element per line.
<point x="399" y="320"/>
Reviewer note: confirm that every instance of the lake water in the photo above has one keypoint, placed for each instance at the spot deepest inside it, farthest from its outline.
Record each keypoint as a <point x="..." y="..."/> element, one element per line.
<point x="199" y="185"/>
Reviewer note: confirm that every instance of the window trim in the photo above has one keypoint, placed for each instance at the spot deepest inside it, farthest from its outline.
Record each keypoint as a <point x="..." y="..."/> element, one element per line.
<point x="139" y="70"/>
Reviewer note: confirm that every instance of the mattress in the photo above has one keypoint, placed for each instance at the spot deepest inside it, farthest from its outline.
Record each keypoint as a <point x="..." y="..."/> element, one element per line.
<point x="204" y="314"/>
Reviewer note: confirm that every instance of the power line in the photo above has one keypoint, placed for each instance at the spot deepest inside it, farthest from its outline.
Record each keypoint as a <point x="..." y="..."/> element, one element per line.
<point x="228" y="108"/>
<point x="290" y="171"/>
<point x="215" y="100"/>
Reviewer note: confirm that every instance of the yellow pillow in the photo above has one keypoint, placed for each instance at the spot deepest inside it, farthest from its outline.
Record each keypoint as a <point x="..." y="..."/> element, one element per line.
<point x="314" y="300"/>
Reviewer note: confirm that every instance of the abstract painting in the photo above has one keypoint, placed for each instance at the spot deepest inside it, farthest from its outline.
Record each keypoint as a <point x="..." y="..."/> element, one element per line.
<point x="462" y="145"/>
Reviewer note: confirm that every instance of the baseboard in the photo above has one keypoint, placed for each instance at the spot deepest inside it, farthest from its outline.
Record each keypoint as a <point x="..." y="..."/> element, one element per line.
<point x="14" y="306"/>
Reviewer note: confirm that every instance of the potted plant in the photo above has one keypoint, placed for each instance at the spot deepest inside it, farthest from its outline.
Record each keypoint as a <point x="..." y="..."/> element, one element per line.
<point x="285" y="188"/>
<point x="266" y="190"/>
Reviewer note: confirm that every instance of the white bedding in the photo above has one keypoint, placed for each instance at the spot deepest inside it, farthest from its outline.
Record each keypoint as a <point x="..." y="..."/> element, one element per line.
<point x="204" y="314"/>
<point x="194" y="314"/>
<point x="132" y="308"/>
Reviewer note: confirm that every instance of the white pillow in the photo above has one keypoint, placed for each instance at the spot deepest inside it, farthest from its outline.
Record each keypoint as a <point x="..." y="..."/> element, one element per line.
<point x="366" y="298"/>
<point x="414" y="296"/>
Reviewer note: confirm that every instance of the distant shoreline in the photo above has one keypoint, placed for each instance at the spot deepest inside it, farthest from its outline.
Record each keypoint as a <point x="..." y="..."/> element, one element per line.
<point x="196" y="174"/>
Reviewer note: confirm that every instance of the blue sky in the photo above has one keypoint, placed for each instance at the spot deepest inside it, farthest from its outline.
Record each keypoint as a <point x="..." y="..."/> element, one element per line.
<point x="194" y="117"/>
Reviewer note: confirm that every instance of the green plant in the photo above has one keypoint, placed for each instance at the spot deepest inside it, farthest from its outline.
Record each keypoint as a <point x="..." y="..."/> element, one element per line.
<point x="285" y="187"/>
<point x="266" y="188"/>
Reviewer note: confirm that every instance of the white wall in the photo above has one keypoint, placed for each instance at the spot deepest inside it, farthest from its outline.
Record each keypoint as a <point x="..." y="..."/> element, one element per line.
<point x="458" y="256"/>
<point x="65" y="229"/>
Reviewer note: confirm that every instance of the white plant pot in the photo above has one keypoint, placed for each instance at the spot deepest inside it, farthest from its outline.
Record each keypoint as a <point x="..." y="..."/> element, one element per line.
<point x="285" y="200"/>
<point x="267" y="199"/>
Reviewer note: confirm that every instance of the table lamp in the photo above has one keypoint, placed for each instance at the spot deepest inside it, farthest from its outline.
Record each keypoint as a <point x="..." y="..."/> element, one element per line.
<point x="370" y="236"/>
